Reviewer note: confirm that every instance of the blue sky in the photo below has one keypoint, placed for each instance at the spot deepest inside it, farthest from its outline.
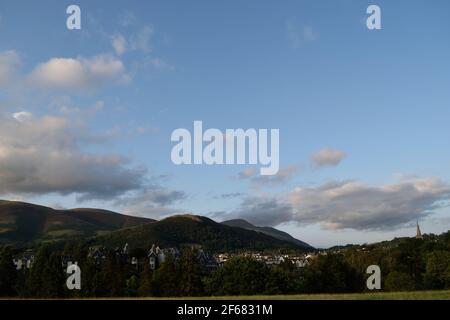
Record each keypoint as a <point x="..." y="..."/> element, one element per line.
<point x="87" y="114"/>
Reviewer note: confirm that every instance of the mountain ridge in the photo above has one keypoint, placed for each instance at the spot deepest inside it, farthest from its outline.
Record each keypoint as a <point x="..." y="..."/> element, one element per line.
<point x="24" y="223"/>
<point x="194" y="230"/>
<point x="278" y="234"/>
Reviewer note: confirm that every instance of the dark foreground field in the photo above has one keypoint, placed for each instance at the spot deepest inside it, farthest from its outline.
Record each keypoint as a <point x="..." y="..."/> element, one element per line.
<point x="415" y="295"/>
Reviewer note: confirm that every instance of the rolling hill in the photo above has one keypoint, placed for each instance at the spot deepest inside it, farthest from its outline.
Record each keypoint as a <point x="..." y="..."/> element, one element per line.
<point x="275" y="233"/>
<point x="196" y="230"/>
<point x="29" y="224"/>
<point x="24" y="223"/>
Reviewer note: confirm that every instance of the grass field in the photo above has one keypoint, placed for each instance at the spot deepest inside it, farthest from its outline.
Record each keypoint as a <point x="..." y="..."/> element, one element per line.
<point x="415" y="295"/>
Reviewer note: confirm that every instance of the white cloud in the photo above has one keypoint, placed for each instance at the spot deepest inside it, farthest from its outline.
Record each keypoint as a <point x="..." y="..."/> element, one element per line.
<point x="247" y="173"/>
<point x="141" y="40"/>
<point x="327" y="157"/>
<point x="298" y="35"/>
<point x="350" y="204"/>
<point x="152" y="201"/>
<point x="128" y="19"/>
<point x="283" y="175"/>
<point x="40" y="155"/>
<point x="78" y="74"/>
<point x="356" y="205"/>
<point x="119" y="44"/>
<point x="309" y="34"/>
<point x="23" y="116"/>
<point x="9" y="62"/>
<point x="263" y="211"/>
<point x="160" y="64"/>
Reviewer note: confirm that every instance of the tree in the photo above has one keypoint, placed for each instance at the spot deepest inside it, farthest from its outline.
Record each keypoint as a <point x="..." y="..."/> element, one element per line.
<point x="399" y="281"/>
<point x="411" y="259"/>
<point x="132" y="286"/>
<point x="91" y="280"/>
<point x="238" y="276"/>
<point x="285" y="278"/>
<point x="190" y="274"/>
<point x="8" y="273"/>
<point x="280" y="281"/>
<point x="331" y="274"/>
<point x="145" y="281"/>
<point x="437" y="275"/>
<point x="47" y="278"/>
<point x="114" y="276"/>
<point x="166" y="279"/>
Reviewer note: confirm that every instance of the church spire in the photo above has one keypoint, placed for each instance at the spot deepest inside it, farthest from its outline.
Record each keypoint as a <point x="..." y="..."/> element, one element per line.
<point x="418" y="232"/>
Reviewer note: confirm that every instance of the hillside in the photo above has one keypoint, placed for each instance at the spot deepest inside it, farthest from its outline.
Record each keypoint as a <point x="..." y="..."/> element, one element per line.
<point x="24" y="223"/>
<point x="28" y="224"/>
<point x="195" y="230"/>
<point x="277" y="234"/>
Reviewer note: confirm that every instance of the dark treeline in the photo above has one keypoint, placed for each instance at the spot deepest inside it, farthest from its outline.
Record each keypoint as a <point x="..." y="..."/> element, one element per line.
<point x="406" y="264"/>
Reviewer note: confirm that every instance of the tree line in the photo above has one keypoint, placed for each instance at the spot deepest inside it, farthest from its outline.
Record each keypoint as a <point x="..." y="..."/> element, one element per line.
<point x="406" y="264"/>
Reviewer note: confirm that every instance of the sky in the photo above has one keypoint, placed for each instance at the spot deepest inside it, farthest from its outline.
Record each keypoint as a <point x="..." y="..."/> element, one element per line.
<point x="86" y="116"/>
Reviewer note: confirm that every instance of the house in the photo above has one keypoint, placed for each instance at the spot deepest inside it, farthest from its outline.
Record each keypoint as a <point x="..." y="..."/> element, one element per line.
<point x="301" y="263"/>
<point x="207" y="261"/>
<point x="97" y="254"/>
<point x="23" y="262"/>
<point x="156" y="257"/>
<point x="174" y="252"/>
<point x="222" y="258"/>
<point x="122" y="254"/>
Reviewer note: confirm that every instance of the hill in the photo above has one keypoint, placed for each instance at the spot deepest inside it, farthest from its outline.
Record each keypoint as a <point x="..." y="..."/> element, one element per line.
<point x="195" y="230"/>
<point x="29" y="224"/>
<point x="275" y="233"/>
<point x="24" y="223"/>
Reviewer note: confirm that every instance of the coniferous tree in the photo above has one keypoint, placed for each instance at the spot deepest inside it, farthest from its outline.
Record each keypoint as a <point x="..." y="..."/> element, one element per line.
<point x="238" y="276"/>
<point x="46" y="278"/>
<point x="190" y="274"/>
<point x="331" y="274"/>
<point x="166" y="279"/>
<point x="399" y="281"/>
<point x="8" y="273"/>
<point x="55" y="277"/>
<point x="114" y="276"/>
<point x="437" y="275"/>
<point x="90" y="284"/>
<point x="145" y="281"/>
<point x="132" y="286"/>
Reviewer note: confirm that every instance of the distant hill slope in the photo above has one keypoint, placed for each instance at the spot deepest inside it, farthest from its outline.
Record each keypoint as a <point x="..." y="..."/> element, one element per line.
<point x="280" y="235"/>
<point x="195" y="230"/>
<point x="27" y="224"/>
<point x="24" y="222"/>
